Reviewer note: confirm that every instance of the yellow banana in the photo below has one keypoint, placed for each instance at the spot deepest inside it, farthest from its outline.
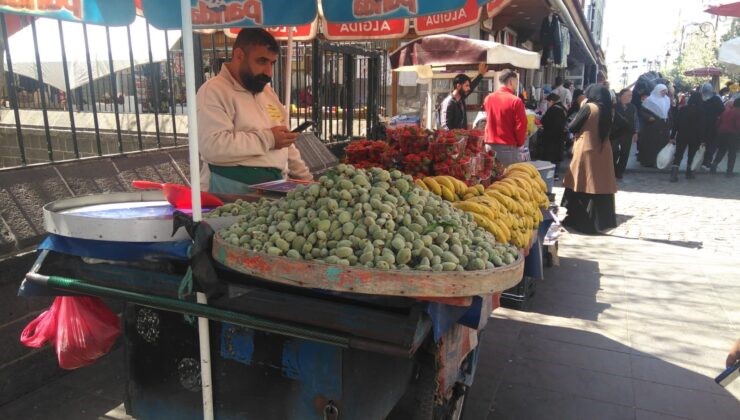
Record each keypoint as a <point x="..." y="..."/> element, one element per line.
<point x="488" y="226"/>
<point x="475" y="208"/>
<point x="444" y="181"/>
<point x="504" y="229"/>
<point x="447" y="194"/>
<point x="433" y="185"/>
<point x="472" y="191"/>
<point x="419" y="183"/>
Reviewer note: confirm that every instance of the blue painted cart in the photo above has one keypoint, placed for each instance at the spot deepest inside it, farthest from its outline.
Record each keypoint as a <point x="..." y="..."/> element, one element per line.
<point x="279" y="351"/>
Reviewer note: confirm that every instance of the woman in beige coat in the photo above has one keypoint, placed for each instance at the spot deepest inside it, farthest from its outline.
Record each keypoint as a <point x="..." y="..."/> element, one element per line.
<point x="590" y="184"/>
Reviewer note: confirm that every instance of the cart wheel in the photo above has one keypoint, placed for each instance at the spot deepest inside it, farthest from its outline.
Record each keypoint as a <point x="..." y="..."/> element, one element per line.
<point x="425" y="388"/>
<point x="454" y="408"/>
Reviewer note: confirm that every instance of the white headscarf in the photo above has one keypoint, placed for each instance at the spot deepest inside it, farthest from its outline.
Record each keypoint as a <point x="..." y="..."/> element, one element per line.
<point x="657" y="104"/>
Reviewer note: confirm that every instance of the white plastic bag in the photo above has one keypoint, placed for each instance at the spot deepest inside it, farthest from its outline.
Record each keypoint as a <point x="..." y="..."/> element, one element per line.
<point x="665" y="157"/>
<point x="698" y="158"/>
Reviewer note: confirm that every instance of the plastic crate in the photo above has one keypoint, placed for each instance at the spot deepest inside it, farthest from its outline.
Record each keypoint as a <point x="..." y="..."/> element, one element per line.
<point x="547" y="172"/>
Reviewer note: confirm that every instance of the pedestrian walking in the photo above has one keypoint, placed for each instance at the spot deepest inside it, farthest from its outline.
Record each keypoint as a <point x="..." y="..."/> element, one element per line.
<point x="687" y="132"/>
<point x="713" y="108"/>
<point x="575" y="106"/>
<point x="453" y="113"/>
<point x="553" y="131"/>
<point x="563" y="91"/>
<point x="728" y="137"/>
<point x="590" y="183"/>
<point x="624" y="132"/>
<point x="506" y="119"/>
<point x="654" y="125"/>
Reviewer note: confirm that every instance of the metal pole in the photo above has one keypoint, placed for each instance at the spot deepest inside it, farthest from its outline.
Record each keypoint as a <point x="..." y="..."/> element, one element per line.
<point x="136" y="90"/>
<point x="10" y="82"/>
<point x="42" y="92"/>
<point x="288" y="72"/>
<point x="68" y="92"/>
<point x="171" y="86"/>
<point x="156" y="86"/>
<point x="316" y="70"/>
<point x="114" y="89"/>
<point x="91" y="85"/>
<point x="203" y="328"/>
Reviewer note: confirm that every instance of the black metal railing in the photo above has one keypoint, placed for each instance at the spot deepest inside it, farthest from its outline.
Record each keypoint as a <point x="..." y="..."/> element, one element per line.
<point x="142" y="105"/>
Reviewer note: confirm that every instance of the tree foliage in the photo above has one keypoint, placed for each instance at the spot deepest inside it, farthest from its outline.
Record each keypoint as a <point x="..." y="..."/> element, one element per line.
<point x="699" y="50"/>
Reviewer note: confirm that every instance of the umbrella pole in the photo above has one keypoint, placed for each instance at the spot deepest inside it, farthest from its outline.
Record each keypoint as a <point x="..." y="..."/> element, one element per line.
<point x="203" y="330"/>
<point x="429" y="104"/>
<point x="288" y="72"/>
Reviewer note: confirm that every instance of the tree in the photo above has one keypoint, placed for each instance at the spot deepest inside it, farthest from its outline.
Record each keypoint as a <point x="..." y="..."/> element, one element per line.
<point x="699" y="50"/>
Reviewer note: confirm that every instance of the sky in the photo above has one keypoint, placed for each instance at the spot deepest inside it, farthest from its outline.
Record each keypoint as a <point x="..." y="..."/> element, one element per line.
<point x="648" y="28"/>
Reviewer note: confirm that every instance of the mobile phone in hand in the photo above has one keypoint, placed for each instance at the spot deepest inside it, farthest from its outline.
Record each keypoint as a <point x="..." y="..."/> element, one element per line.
<point x="301" y="128"/>
<point x="729" y="375"/>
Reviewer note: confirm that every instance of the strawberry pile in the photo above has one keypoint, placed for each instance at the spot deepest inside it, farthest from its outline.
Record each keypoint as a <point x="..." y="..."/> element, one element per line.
<point x="421" y="153"/>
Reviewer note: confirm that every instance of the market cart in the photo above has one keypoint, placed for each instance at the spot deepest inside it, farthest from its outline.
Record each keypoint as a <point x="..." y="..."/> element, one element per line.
<point x="290" y="340"/>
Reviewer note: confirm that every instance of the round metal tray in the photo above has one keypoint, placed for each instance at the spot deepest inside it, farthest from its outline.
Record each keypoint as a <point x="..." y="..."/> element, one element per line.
<point x="320" y="275"/>
<point x="142" y="216"/>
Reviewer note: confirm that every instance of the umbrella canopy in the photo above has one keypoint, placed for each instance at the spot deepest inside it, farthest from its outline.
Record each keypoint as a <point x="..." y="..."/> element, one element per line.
<point x="703" y="72"/>
<point x="731" y="9"/>
<point x="729" y="55"/>
<point x="441" y="50"/>
<point x="50" y="50"/>
<point x="467" y="15"/>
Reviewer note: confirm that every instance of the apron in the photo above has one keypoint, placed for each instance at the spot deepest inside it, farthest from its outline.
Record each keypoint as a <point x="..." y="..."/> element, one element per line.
<point x="238" y="179"/>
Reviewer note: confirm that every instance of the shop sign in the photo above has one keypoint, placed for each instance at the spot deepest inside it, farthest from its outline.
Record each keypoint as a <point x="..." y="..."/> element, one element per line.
<point x="448" y="21"/>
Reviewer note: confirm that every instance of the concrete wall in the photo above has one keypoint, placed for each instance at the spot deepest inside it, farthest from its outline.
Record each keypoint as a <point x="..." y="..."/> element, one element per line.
<point x="23" y="193"/>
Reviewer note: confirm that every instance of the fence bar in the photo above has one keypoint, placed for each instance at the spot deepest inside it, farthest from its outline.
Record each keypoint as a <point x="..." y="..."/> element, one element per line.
<point x="68" y="92"/>
<point x="349" y="111"/>
<point x="114" y="89"/>
<point x="316" y="71"/>
<point x="42" y="91"/>
<point x="371" y="87"/>
<point x="226" y="46"/>
<point x="136" y="87"/>
<point x="171" y="86"/>
<point x="10" y="82"/>
<point x="213" y="55"/>
<point x="92" y="91"/>
<point x="155" y="79"/>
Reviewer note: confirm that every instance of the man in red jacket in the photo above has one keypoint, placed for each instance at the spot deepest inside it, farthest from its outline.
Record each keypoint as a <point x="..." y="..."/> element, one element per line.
<point x="506" y="120"/>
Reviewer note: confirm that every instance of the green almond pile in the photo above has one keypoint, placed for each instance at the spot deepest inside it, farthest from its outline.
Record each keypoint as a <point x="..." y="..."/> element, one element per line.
<point x="369" y="218"/>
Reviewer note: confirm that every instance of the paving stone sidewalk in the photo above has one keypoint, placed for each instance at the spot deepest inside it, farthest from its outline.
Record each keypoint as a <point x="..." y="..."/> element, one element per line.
<point x="632" y="325"/>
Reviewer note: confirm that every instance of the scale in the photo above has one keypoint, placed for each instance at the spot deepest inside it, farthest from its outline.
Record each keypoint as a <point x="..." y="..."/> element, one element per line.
<point x="142" y="216"/>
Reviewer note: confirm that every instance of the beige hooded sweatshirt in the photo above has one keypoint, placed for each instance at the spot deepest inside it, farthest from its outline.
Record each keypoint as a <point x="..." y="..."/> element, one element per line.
<point x="234" y="128"/>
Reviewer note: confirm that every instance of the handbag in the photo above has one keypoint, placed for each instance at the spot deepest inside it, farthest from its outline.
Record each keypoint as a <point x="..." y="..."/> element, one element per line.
<point x="698" y="158"/>
<point x="665" y="156"/>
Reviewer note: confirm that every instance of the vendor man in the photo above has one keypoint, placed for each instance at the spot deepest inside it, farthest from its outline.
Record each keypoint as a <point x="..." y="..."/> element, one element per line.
<point x="242" y="126"/>
<point x="452" y="112"/>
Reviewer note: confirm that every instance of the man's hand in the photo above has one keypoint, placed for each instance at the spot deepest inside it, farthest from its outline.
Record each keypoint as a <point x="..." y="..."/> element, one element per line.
<point x="283" y="137"/>
<point x="482" y="68"/>
<point x="734" y="354"/>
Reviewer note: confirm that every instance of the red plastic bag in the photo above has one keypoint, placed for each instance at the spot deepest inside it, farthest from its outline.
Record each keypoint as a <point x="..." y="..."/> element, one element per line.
<point x="81" y="328"/>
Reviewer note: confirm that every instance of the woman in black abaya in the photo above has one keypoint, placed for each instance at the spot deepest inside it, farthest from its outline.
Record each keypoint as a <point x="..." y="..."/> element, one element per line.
<point x="654" y="125"/>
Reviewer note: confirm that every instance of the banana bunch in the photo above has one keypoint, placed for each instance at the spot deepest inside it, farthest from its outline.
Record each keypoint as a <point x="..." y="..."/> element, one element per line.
<point x="520" y="195"/>
<point x="448" y="187"/>
<point x="509" y="209"/>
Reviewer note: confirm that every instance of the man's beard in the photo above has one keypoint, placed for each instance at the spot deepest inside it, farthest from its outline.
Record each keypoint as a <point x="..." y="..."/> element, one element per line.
<point x="255" y="84"/>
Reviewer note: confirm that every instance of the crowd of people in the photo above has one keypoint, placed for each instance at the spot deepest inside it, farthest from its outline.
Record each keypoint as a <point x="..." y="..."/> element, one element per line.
<point x="598" y="128"/>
